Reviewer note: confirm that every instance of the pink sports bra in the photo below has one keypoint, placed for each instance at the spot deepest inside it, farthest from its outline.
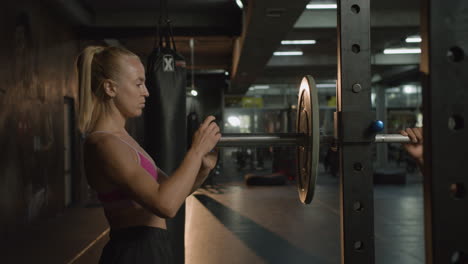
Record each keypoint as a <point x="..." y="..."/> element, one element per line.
<point x="119" y="196"/>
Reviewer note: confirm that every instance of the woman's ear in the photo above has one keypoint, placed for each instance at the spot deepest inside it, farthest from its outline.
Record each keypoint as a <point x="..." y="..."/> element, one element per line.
<point x="110" y="88"/>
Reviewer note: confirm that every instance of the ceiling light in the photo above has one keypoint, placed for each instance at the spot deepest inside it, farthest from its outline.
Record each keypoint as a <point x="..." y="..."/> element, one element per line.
<point x="288" y="53"/>
<point x="194" y="92"/>
<point x="413" y="39"/>
<point x="240" y="4"/>
<point x="298" y="42"/>
<point x="403" y="51"/>
<point x="321" y="6"/>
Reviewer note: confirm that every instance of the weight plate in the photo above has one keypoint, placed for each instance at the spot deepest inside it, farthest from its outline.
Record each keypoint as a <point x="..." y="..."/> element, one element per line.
<point x="307" y="123"/>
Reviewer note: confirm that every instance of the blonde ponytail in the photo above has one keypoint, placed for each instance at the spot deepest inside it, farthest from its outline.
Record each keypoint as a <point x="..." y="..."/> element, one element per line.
<point x="87" y="100"/>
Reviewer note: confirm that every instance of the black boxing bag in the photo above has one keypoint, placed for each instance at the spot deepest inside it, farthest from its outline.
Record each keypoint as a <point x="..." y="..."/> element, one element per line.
<point x="164" y="115"/>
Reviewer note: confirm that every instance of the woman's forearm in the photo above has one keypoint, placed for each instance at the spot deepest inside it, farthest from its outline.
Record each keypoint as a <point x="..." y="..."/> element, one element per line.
<point x="201" y="177"/>
<point x="178" y="186"/>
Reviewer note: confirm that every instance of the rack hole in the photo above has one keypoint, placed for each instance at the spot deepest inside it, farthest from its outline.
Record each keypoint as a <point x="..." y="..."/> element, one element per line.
<point x="357" y="166"/>
<point x="356" y="48"/>
<point x="358" y="245"/>
<point x="357" y="206"/>
<point x="456" y="122"/>
<point x="355" y="9"/>
<point x="458" y="190"/>
<point x="456" y="54"/>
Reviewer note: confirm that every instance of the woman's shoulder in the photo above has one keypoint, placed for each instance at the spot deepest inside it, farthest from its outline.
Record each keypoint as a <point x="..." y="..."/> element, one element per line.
<point x="98" y="140"/>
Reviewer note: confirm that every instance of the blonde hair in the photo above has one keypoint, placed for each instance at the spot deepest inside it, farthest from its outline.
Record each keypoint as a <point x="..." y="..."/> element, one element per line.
<point x="95" y="65"/>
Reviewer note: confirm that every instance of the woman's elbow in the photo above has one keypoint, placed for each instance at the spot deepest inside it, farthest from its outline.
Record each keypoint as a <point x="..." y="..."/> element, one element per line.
<point x="171" y="214"/>
<point x="165" y="206"/>
<point x="166" y="211"/>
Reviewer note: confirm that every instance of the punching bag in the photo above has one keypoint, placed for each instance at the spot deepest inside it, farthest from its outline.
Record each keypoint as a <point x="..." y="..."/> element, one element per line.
<point x="165" y="122"/>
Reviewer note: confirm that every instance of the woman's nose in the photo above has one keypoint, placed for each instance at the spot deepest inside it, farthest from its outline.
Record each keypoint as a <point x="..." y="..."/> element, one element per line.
<point x="145" y="91"/>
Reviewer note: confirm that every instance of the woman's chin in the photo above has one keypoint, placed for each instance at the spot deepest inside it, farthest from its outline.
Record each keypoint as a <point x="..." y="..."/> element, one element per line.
<point x="137" y="113"/>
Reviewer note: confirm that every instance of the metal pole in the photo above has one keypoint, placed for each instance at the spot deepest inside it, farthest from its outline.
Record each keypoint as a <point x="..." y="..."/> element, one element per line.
<point x="292" y="139"/>
<point x="236" y="140"/>
<point x="353" y="111"/>
<point x="445" y="77"/>
<point x="391" y="138"/>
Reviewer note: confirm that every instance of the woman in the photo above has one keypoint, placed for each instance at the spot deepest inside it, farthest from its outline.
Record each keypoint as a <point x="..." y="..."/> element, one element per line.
<point x="137" y="197"/>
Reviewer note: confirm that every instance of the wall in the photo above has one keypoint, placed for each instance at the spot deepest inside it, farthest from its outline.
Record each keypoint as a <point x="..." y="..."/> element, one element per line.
<point x="37" y="56"/>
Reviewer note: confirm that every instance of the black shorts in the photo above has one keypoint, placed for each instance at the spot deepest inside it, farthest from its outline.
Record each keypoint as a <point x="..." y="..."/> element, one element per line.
<point x="138" y="244"/>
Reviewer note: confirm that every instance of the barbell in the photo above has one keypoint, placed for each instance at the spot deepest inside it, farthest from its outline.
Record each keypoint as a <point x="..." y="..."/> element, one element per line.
<point x="292" y="139"/>
<point x="307" y="139"/>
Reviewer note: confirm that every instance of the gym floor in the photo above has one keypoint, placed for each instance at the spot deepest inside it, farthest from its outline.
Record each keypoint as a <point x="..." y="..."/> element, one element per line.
<point x="229" y="222"/>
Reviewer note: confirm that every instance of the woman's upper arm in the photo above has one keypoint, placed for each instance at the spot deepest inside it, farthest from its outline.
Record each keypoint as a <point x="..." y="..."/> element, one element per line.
<point x="119" y="165"/>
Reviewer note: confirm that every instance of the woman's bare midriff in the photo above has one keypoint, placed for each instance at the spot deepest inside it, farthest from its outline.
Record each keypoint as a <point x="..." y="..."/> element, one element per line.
<point x="130" y="215"/>
<point x="134" y="216"/>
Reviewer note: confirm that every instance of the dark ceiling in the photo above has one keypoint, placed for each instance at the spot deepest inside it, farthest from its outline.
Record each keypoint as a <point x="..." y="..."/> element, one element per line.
<point x="242" y="42"/>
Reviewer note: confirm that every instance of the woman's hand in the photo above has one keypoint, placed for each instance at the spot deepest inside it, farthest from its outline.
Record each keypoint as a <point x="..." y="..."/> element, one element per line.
<point x="208" y="163"/>
<point x="205" y="139"/>
<point x="415" y="148"/>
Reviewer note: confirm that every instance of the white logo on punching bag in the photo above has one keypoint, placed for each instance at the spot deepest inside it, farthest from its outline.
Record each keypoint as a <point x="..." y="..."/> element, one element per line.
<point x="168" y="63"/>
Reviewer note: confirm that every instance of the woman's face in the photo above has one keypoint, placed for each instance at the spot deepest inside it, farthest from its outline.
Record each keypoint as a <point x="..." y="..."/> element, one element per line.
<point x="131" y="89"/>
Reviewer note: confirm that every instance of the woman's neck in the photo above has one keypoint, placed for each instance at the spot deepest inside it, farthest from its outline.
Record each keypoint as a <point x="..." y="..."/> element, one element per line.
<point x="112" y="122"/>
